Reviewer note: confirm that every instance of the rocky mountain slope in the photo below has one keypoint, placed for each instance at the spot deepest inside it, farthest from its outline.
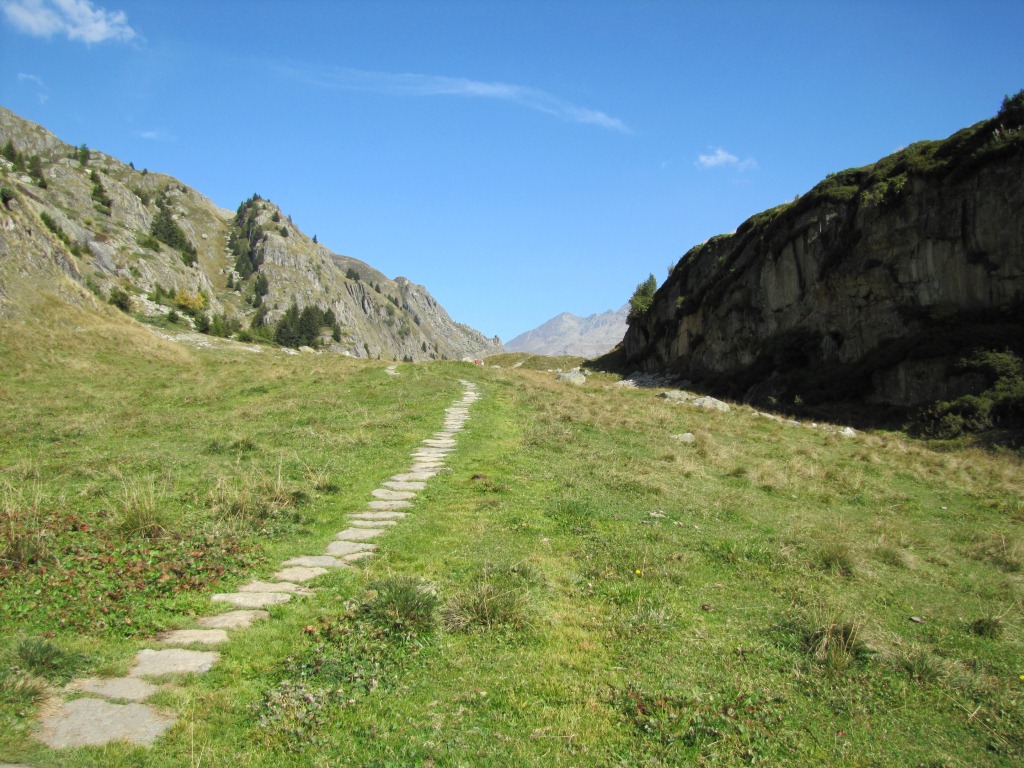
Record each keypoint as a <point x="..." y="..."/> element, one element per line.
<point x="568" y="334"/>
<point x="82" y="226"/>
<point x="869" y="288"/>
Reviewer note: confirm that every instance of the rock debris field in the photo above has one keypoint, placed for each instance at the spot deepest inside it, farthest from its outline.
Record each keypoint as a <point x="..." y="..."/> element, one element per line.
<point x="112" y="709"/>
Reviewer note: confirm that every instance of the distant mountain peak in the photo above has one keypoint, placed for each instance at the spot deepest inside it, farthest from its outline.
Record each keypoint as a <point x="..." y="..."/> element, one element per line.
<point x="568" y="334"/>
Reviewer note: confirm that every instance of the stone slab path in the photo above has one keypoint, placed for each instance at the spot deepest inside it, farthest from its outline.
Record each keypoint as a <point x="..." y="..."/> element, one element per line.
<point x="114" y="709"/>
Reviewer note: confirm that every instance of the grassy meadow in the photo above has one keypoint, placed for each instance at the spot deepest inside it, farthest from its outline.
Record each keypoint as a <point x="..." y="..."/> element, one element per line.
<point x="583" y="587"/>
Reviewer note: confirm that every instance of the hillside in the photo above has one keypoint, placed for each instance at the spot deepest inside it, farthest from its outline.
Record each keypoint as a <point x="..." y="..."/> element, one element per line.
<point x="578" y="576"/>
<point x="85" y="227"/>
<point x="568" y="334"/>
<point x="880" y="286"/>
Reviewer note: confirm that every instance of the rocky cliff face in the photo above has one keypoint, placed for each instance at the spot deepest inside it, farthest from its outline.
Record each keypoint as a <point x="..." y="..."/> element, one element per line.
<point x="76" y="223"/>
<point x="568" y="334"/>
<point x="867" y="288"/>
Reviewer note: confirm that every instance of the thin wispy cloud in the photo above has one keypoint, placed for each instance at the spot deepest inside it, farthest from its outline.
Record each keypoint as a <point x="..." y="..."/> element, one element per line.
<point x="76" y="19"/>
<point x="42" y="92"/>
<point x="156" y="135"/>
<point x="409" y="84"/>
<point x="719" y="158"/>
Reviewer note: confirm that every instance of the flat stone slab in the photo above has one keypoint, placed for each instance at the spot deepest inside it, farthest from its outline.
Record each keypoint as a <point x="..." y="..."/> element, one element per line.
<point x="275" y="586"/>
<point x="429" y="465"/>
<point x="315" y="561"/>
<point x="383" y="505"/>
<point x="439" y="443"/>
<point x="360" y="522"/>
<point x="127" y="688"/>
<point x="357" y="556"/>
<point x="359" y="534"/>
<point x="404" y="485"/>
<point x="412" y="477"/>
<point x="299" y="573"/>
<point x="342" y="548"/>
<point x="172" y="661"/>
<point x="94" y="722"/>
<point x="232" y="619"/>
<point x="189" y="636"/>
<point x="387" y="494"/>
<point x="384" y="514"/>
<point x="252" y="599"/>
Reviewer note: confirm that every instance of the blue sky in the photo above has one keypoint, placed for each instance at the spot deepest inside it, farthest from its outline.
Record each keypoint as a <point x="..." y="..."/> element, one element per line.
<point x="519" y="159"/>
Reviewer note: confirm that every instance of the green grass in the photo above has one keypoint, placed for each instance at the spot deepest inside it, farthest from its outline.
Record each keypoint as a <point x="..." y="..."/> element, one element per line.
<point x="578" y="589"/>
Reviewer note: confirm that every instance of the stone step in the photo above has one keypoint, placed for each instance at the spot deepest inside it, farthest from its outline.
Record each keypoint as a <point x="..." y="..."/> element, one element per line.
<point x="386" y="494"/>
<point x="360" y="522"/>
<point x="413" y="476"/>
<point x="342" y="548"/>
<point x="383" y="514"/>
<point x="126" y="688"/>
<point x="275" y="586"/>
<point x="299" y="573"/>
<point x="172" y="661"/>
<point x="252" y="599"/>
<point x="232" y="619"/>
<point x="359" y="534"/>
<point x="315" y="561"/>
<point x="404" y="485"/>
<point x="384" y="505"/>
<point x="94" y="722"/>
<point x="190" y="636"/>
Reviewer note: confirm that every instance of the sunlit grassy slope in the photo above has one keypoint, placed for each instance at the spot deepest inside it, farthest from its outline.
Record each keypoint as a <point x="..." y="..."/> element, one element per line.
<point x="581" y="588"/>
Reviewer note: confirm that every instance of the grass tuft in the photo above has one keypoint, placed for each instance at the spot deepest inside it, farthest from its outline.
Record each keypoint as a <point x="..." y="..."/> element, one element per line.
<point x="836" y="558"/>
<point x="402" y="605"/>
<point x="44" y="658"/>
<point x="494" y="599"/>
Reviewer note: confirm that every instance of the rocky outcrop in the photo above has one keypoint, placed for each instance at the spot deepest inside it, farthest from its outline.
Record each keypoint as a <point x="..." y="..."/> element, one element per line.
<point x="568" y="334"/>
<point x="89" y="249"/>
<point x="867" y="288"/>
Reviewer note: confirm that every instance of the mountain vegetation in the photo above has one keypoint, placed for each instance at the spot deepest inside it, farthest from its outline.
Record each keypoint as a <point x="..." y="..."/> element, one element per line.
<point x="110" y="230"/>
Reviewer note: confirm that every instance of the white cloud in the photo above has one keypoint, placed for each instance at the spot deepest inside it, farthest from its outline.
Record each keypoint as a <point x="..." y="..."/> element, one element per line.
<point x="43" y="92"/>
<point x="720" y="157"/>
<point x="77" y="19"/>
<point x="437" y="85"/>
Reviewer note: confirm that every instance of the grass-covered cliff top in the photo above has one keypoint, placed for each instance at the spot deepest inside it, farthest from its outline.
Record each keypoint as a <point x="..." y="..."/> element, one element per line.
<point x="882" y="182"/>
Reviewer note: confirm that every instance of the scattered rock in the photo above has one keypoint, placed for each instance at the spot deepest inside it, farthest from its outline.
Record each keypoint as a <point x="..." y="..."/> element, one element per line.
<point x="575" y="378"/>
<point x="711" y="403"/>
<point x="686" y="437"/>
<point x="677" y="396"/>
